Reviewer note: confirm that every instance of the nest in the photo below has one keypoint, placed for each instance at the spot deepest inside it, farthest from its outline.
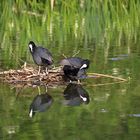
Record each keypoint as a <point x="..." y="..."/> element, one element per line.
<point x="28" y="76"/>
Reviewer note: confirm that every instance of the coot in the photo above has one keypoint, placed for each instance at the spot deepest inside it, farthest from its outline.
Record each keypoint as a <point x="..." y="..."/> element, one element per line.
<point x="41" y="56"/>
<point x="75" y="68"/>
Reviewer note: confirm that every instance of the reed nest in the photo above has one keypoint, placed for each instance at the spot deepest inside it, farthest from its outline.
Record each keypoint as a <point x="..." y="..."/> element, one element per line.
<point x="28" y="76"/>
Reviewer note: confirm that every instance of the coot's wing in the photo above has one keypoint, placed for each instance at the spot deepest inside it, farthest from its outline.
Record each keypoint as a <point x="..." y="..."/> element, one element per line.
<point x="44" y="53"/>
<point x="65" y="62"/>
<point x="72" y="61"/>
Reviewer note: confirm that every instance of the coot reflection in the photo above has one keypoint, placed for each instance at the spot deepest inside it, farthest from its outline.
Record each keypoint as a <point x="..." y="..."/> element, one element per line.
<point x="75" y="95"/>
<point x="40" y="104"/>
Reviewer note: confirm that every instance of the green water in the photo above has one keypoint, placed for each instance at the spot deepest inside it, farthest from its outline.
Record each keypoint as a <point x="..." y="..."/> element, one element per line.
<point x="112" y="46"/>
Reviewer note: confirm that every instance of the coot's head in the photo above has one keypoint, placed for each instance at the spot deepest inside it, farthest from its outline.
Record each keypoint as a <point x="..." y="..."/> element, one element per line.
<point x="85" y="64"/>
<point x="32" y="46"/>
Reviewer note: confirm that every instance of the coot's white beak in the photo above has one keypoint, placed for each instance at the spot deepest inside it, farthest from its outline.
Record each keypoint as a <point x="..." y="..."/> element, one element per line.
<point x="31" y="47"/>
<point x="83" y="66"/>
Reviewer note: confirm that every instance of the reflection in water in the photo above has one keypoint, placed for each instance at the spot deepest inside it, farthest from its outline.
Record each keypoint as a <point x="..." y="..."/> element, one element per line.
<point x="75" y="95"/>
<point x="40" y="104"/>
<point x="119" y="57"/>
<point x="134" y="115"/>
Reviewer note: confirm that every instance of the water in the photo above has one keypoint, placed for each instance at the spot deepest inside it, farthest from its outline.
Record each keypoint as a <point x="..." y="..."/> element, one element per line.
<point x="112" y="110"/>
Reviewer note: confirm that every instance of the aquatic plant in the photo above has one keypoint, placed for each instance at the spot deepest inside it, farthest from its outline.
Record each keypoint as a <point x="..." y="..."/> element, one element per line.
<point x="54" y="23"/>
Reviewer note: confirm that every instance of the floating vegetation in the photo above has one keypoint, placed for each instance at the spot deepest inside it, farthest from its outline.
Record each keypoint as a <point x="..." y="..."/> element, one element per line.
<point x="28" y="76"/>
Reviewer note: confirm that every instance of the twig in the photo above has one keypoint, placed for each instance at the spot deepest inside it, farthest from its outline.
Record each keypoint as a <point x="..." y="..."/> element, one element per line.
<point x="75" y="53"/>
<point x="108" y="76"/>
<point x="33" y="75"/>
<point x="64" y="55"/>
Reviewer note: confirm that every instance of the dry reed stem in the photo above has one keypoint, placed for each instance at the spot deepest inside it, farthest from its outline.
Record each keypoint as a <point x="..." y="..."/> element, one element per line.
<point x="108" y="76"/>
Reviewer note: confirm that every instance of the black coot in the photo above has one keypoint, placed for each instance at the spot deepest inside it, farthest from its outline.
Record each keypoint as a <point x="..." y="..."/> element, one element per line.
<point x="75" y="95"/>
<point x="74" y="67"/>
<point x="41" y="56"/>
<point x="40" y="104"/>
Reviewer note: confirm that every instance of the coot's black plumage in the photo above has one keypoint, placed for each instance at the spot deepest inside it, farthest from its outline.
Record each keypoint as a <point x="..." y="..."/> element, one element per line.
<point x="40" y="104"/>
<point x="74" y="67"/>
<point x="75" y="95"/>
<point x="41" y="56"/>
